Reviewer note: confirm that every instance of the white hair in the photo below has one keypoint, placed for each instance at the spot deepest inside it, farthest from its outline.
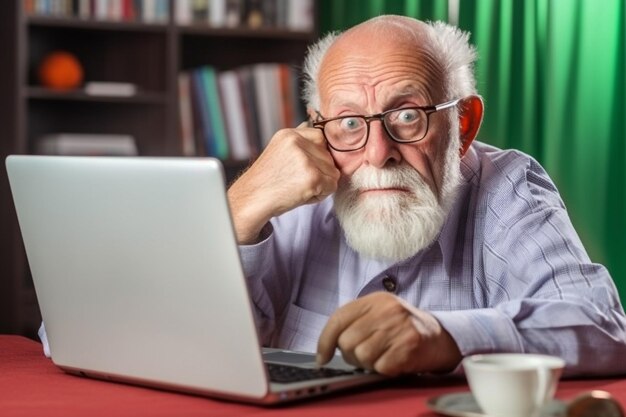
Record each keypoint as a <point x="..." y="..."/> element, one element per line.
<point x="449" y="45"/>
<point x="312" y="63"/>
<point x="456" y="56"/>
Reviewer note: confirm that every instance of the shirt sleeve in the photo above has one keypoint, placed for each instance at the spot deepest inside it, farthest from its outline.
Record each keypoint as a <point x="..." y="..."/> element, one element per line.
<point x="259" y="264"/>
<point x="540" y="291"/>
<point x="271" y="270"/>
<point x="43" y="336"/>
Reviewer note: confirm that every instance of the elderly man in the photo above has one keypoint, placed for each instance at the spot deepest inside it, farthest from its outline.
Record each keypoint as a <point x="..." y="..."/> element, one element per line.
<point x="383" y="230"/>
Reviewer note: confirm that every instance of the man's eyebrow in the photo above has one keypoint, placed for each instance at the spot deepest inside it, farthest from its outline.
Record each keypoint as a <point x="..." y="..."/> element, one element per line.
<point x="412" y="91"/>
<point x="394" y="100"/>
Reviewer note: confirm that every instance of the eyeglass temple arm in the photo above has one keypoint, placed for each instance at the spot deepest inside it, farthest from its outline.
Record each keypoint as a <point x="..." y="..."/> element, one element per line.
<point x="446" y="105"/>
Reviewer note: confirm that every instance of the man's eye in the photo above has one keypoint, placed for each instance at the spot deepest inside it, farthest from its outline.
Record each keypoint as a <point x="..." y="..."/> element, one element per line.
<point x="407" y="116"/>
<point x="351" y="123"/>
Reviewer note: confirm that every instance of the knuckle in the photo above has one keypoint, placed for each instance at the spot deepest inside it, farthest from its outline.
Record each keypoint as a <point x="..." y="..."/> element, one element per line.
<point x="349" y="358"/>
<point x="315" y="176"/>
<point x="346" y="342"/>
<point x="313" y="184"/>
<point x="386" y="367"/>
<point x="365" y="355"/>
<point x="316" y="136"/>
<point x="282" y="136"/>
<point x="334" y="322"/>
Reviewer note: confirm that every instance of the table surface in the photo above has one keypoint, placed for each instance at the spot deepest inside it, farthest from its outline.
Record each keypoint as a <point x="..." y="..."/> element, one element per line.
<point x="31" y="385"/>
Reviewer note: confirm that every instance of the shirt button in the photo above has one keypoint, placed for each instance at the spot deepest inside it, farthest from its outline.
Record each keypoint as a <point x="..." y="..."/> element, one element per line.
<point x="389" y="284"/>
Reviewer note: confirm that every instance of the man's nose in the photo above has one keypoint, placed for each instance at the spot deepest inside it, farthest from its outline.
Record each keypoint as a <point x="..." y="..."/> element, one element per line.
<point x="380" y="148"/>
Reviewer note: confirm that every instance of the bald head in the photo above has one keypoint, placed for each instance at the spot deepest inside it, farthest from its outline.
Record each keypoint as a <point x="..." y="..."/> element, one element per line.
<point x="443" y="49"/>
<point x="389" y="27"/>
<point x="381" y="52"/>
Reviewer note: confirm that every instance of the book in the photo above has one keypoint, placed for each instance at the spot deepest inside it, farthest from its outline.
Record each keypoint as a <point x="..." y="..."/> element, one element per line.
<point x="217" y="13"/>
<point x="299" y="110"/>
<point x="106" y="88"/>
<point x="200" y="10"/>
<point x="204" y="130"/>
<point x="86" y="144"/>
<point x="211" y="92"/>
<point x="266" y="81"/>
<point x="253" y="13"/>
<point x="149" y="11"/>
<point x="234" y="10"/>
<point x="183" y="12"/>
<point x="113" y="10"/>
<point x="101" y="10"/>
<point x="286" y="96"/>
<point x="235" y="113"/>
<point x="232" y="106"/>
<point x="300" y="15"/>
<point x="188" y="143"/>
<point x="249" y="100"/>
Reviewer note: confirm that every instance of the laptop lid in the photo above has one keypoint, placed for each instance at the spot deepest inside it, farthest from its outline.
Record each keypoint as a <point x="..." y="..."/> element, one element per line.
<point x="138" y="277"/>
<point x="137" y="271"/>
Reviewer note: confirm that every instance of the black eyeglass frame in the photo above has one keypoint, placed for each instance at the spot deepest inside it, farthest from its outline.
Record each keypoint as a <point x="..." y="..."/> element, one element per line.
<point x="428" y="110"/>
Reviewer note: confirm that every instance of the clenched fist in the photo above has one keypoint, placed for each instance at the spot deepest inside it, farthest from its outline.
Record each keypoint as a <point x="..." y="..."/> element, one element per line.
<point x="295" y="169"/>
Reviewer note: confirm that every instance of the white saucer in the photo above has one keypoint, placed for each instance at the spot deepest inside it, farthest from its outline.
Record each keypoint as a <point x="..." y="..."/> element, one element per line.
<point x="462" y="404"/>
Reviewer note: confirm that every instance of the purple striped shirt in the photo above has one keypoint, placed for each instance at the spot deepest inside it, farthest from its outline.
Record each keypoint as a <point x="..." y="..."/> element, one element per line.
<point x="507" y="272"/>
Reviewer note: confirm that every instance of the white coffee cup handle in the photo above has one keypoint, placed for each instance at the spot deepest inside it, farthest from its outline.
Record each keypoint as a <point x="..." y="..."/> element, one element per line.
<point x="543" y="380"/>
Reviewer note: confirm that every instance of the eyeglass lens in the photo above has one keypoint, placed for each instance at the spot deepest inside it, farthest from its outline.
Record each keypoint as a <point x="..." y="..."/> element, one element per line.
<point x="404" y="125"/>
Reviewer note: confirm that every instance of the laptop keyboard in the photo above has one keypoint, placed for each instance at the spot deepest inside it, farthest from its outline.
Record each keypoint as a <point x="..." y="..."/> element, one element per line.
<point x="288" y="374"/>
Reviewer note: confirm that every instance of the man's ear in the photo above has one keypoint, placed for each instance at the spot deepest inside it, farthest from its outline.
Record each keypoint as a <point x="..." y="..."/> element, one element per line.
<point x="470" y="118"/>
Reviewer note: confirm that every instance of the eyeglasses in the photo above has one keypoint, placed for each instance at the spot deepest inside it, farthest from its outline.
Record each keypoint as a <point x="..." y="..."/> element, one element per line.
<point x="403" y="125"/>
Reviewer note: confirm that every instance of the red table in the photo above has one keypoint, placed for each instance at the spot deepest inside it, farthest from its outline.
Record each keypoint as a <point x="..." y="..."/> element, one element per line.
<point x="31" y="385"/>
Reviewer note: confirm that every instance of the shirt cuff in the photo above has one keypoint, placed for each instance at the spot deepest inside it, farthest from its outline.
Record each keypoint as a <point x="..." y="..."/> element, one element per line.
<point x="43" y="336"/>
<point x="256" y="254"/>
<point x="483" y="330"/>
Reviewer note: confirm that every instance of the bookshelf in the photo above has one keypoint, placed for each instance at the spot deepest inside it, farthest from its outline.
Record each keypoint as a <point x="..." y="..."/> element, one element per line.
<point x="148" y="53"/>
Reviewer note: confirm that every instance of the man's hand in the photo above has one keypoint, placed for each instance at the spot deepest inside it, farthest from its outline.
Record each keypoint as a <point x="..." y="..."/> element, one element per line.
<point x="295" y="169"/>
<point x="378" y="332"/>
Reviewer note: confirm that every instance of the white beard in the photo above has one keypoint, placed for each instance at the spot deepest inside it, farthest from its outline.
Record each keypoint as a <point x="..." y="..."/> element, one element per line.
<point x="395" y="226"/>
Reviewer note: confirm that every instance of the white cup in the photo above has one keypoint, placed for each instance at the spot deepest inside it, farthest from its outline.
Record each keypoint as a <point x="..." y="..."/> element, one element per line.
<point x="512" y="384"/>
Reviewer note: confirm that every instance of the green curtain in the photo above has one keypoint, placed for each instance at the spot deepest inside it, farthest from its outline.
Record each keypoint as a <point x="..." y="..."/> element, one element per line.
<point x="552" y="73"/>
<point x="341" y="14"/>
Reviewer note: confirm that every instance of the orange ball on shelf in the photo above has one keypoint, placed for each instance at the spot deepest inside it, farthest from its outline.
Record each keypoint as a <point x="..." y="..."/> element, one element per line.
<point x="60" y="70"/>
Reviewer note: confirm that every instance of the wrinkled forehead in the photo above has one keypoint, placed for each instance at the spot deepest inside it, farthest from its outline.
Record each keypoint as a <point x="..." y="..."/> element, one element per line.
<point x="383" y="58"/>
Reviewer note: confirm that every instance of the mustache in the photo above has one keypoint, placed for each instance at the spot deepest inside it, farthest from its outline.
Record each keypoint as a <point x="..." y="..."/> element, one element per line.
<point x="401" y="176"/>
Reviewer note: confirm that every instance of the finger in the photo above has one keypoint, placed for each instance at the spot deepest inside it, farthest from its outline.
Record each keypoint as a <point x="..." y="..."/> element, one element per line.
<point x="311" y="133"/>
<point x="397" y="359"/>
<point x="404" y="353"/>
<point x="320" y="178"/>
<point x="369" y="336"/>
<point x="357" y="333"/>
<point x="327" y="180"/>
<point x="323" y="161"/>
<point x="311" y="141"/>
<point x="362" y="349"/>
<point x="306" y="126"/>
<point x="337" y="323"/>
<point x="370" y="350"/>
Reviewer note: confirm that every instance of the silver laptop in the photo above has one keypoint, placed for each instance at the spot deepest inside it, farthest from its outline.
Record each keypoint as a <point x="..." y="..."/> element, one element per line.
<point x="138" y="278"/>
